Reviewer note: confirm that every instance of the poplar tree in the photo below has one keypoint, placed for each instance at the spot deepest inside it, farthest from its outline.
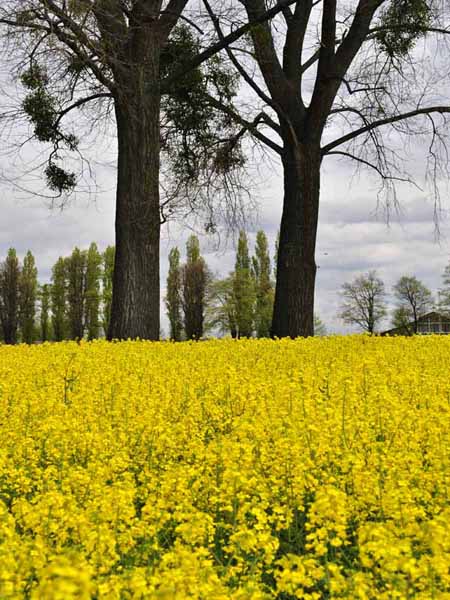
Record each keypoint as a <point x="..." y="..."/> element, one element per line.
<point x="107" y="285"/>
<point x="244" y="289"/>
<point x="263" y="286"/>
<point x="28" y="288"/>
<point x="194" y="282"/>
<point x="9" y="296"/>
<point x="45" y="296"/>
<point x="173" y="295"/>
<point x="76" y="288"/>
<point x="58" y="296"/>
<point x="92" y="291"/>
<point x="319" y="327"/>
<point x="275" y="255"/>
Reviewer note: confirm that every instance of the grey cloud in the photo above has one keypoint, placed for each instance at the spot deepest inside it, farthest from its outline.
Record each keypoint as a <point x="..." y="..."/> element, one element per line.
<point x="352" y="236"/>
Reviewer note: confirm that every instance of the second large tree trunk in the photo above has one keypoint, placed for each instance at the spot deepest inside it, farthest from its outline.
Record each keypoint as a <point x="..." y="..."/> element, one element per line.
<point x="135" y="302"/>
<point x="296" y="267"/>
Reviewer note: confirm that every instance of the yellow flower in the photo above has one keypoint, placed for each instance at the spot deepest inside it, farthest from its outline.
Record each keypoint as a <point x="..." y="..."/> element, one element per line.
<point x="233" y="470"/>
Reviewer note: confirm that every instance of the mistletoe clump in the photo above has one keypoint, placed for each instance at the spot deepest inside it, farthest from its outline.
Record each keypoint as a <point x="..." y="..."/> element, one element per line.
<point x="196" y="128"/>
<point x="58" y="179"/>
<point x="402" y="24"/>
<point x="41" y="107"/>
<point x="228" y="156"/>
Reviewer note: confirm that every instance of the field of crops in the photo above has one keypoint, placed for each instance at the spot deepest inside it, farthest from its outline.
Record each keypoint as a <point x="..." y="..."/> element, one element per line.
<point x="226" y="470"/>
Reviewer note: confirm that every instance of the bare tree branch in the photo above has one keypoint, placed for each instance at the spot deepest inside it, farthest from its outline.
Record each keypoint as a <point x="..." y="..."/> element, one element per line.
<point x="247" y="78"/>
<point x="250" y="126"/>
<point x="170" y="17"/>
<point x="386" y="121"/>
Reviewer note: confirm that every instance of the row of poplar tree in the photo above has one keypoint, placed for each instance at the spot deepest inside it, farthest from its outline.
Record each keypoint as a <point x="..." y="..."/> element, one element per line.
<point x="240" y="304"/>
<point x="76" y="304"/>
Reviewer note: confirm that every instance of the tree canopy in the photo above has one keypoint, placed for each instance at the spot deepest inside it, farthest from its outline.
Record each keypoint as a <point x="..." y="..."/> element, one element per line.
<point x="414" y="300"/>
<point x="347" y="80"/>
<point x="363" y="301"/>
<point x="144" y="64"/>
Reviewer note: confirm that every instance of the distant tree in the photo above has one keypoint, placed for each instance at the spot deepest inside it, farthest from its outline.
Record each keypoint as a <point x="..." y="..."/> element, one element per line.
<point x="45" y="296"/>
<point x="173" y="295"/>
<point x="319" y="327"/>
<point x="9" y="296"/>
<point x="222" y="306"/>
<point x="414" y="300"/>
<point x="107" y="285"/>
<point x="444" y="292"/>
<point x="76" y="283"/>
<point x="363" y="301"/>
<point x="264" y="288"/>
<point x="275" y="255"/>
<point x="28" y="289"/>
<point x="58" y="296"/>
<point x="244" y="289"/>
<point x="401" y="319"/>
<point x="194" y="282"/>
<point x="92" y="291"/>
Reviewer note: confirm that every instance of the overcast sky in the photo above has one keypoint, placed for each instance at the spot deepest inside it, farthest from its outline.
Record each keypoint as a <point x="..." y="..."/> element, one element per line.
<point x="353" y="236"/>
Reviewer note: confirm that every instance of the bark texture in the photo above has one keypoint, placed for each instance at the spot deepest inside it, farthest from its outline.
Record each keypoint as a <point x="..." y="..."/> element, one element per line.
<point x="293" y="314"/>
<point x="135" y="302"/>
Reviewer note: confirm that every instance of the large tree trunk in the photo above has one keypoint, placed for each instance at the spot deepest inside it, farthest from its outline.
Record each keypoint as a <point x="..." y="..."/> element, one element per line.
<point x="293" y="314"/>
<point x="135" y="302"/>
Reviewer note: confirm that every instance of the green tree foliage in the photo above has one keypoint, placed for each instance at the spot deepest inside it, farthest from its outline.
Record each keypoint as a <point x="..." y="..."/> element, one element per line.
<point x="401" y="319"/>
<point x="58" y="296"/>
<point x="45" y="297"/>
<point x="403" y="22"/>
<point x="244" y="289"/>
<point x="92" y="291"/>
<point x="28" y="290"/>
<point x="173" y="296"/>
<point x="107" y="285"/>
<point x="191" y="141"/>
<point x="222" y="306"/>
<point x="263" y="286"/>
<point x="76" y="296"/>
<point x="414" y="300"/>
<point x="275" y="256"/>
<point x="41" y="108"/>
<point x="194" y="287"/>
<point x="363" y="301"/>
<point x="319" y="327"/>
<point x="192" y="126"/>
<point x="9" y="296"/>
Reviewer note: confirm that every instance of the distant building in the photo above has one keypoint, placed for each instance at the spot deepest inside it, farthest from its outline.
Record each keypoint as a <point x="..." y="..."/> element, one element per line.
<point x="432" y="322"/>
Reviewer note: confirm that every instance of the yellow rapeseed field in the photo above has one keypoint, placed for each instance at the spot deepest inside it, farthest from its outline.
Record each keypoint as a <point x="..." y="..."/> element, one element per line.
<point x="222" y="470"/>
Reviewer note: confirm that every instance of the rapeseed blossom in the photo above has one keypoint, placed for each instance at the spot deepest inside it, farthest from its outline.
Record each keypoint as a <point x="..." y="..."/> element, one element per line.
<point x="220" y="470"/>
